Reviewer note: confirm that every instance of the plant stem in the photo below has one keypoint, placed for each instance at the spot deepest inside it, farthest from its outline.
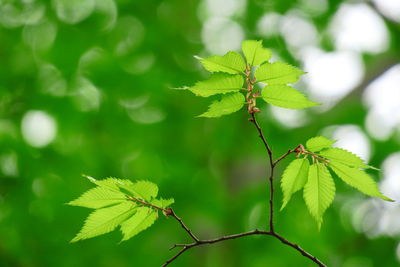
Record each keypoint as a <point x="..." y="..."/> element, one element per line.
<point x="252" y="109"/>
<point x="171" y="212"/>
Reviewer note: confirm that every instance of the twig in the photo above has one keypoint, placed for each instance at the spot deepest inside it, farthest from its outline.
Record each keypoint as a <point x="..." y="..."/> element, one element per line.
<point x="252" y="109"/>
<point x="141" y="202"/>
<point x="299" y="249"/>
<point x="211" y="241"/>
<point x="170" y="212"/>
<point x="285" y="155"/>
<point x="229" y="237"/>
<point x="261" y="135"/>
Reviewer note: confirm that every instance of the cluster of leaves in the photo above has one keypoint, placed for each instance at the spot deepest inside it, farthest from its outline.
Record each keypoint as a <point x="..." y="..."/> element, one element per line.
<point x="132" y="206"/>
<point x="315" y="179"/>
<point x="232" y="73"/>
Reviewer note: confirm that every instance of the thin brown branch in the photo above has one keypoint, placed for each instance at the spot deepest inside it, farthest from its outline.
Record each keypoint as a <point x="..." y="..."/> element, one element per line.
<point x="299" y="249"/>
<point x="234" y="236"/>
<point x="141" y="202"/>
<point x="285" y="155"/>
<point x="252" y="109"/>
<point x="261" y="135"/>
<point x="170" y="212"/>
<point x="253" y="119"/>
<point x="176" y="255"/>
<point x="211" y="241"/>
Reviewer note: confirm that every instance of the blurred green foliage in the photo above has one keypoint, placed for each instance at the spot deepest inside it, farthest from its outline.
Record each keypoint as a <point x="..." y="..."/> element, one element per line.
<point x="101" y="71"/>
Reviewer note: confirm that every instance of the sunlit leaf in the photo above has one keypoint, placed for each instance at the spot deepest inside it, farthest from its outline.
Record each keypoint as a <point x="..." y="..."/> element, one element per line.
<point x="318" y="143"/>
<point x="110" y="183"/>
<point x="286" y="97"/>
<point x="278" y="73"/>
<point x="231" y="62"/>
<point x="144" y="190"/>
<point x="357" y="179"/>
<point x="98" y="197"/>
<point x="163" y="203"/>
<point x="228" y="104"/>
<point x="345" y="157"/>
<point x="319" y="191"/>
<point x="219" y="83"/>
<point x="141" y="220"/>
<point x="294" y="178"/>
<point x="255" y="53"/>
<point x="105" y="220"/>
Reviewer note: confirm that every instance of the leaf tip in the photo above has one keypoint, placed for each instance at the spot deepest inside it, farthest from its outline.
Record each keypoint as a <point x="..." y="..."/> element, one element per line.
<point x="314" y="104"/>
<point x="90" y="178"/>
<point x="283" y="206"/>
<point x="386" y="198"/>
<point x="74" y="240"/>
<point x="374" y="168"/>
<point x="179" y="88"/>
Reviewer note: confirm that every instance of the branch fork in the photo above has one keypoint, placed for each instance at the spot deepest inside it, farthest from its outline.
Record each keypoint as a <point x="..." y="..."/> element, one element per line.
<point x="299" y="150"/>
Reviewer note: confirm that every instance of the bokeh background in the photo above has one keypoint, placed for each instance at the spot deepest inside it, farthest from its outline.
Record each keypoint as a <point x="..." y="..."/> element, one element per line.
<point x="85" y="88"/>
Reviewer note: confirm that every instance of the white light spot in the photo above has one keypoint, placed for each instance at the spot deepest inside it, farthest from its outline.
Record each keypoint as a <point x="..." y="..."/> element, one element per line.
<point x="18" y="14"/>
<point x="314" y="7"/>
<point x="297" y="31"/>
<point x="220" y="35"/>
<point x="225" y="8"/>
<point x="51" y="80"/>
<point x="86" y="94"/>
<point x="9" y="165"/>
<point x="389" y="8"/>
<point x="128" y="33"/>
<point x="133" y="103"/>
<point x="90" y="58"/>
<point x="331" y="75"/>
<point x="353" y="139"/>
<point x="110" y="11"/>
<point x="289" y="118"/>
<point x="140" y="64"/>
<point x="38" y="128"/>
<point x="358" y="27"/>
<point x="40" y="36"/>
<point x="382" y="97"/>
<point x="147" y="115"/>
<point x="73" y="11"/>
<point x="398" y="252"/>
<point x="382" y="215"/>
<point x="268" y="24"/>
<point x="391" y="173"/>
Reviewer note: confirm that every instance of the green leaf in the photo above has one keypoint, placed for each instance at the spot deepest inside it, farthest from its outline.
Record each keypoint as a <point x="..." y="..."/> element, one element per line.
<point x="319" y="191"/>
<point x="278" y="73"/>
<point x="286" y="97"/>
<point x="98" y="197"/>
<point x="228" y="104"/>
<point x="163" y="203"/>
<point x="144" y="190"/>
<point x="110" y="183"/>
<point x="105" y="220"/>
<point x="345" y="157"/>
<point x="318" y="143"/>
<point x="141" y="220"/>
<point x="219" y="83"/>
<point x="255" y="53"/>
<point x="294" y="178"/>
<point x="231" y="62"/>
<point x="357" y="179"/>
